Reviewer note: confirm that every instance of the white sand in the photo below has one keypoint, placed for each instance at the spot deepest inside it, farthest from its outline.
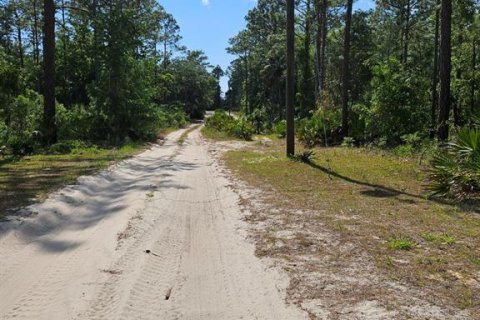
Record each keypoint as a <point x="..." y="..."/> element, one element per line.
<point x="83" y="255"/>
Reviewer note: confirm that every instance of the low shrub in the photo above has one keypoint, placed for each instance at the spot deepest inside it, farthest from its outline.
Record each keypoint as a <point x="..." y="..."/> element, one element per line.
<point x="259" y="119"/>
<point x="305" y="156"/>
<point x="280" y="129"/>
<point x="238" y="128"/>
<point x="455" y="169"/>
<point x="320" y="128"/>
<point x="67" y="147"/>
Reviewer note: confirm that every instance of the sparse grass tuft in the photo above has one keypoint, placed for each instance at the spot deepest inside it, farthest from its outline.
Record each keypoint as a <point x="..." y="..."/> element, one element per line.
<point x="400" y="243"/>
<point x="442" y="238"/>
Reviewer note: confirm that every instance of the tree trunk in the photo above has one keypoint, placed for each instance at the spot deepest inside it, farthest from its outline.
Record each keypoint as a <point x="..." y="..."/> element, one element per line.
<point x="445" y="63"/>
<point x="19" y="38"/>
<point x="323" y="73"/>
<point x="96" y="42"/>
<point x="290" y="91"/>
<point x="406" y="33"/>
<point x="435" y="73"/>
<point x="307" y="74"/>
<point x="474" y="69"/>
<point x="50" y="132"/>
<point x="36" y="51"/>
<point x="65" y="63"/>
<point x="346" y="68"/>
<point x="320" y="46"/>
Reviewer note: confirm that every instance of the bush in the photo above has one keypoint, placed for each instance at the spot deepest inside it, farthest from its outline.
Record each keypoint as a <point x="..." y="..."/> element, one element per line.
<point x="67" y="146"/>
<point x="399" y="104"/>
<point x="20" y="145"/>
<point x="320" y="128"/>
<point x="3" y="134"/>
<point x="455" y="171"/>
<point x="222" y="122"/>
<point x="22" y="135"/>
<point x="241" y="128"/>
<point x="259" y="119"/>
<point x="78" y="122"/>
<point x="280" y="129"/>
<point x="348" y="142"/>
<point x="305" y="156"/>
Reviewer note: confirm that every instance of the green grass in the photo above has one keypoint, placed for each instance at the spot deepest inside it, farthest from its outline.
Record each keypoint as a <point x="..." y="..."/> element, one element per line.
<point x="378" y="195"/>
<point x="401" y="243"/>
<point x="438" y="238"/>
<point x="31" y="178"/>
<point x="216" y="135"/>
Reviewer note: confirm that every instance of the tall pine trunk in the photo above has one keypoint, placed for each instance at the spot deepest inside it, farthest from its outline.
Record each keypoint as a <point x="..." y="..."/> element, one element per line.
<point x="290" y="92"/>
<point x="50" y="131"/>
<point x="474" y="69"/>
<point x="346" y="68"/>
<point x="36" y="50"/>
<point x="445" y="63"/>
<point x="435" y="73"/>
<point x="321" y="7"/>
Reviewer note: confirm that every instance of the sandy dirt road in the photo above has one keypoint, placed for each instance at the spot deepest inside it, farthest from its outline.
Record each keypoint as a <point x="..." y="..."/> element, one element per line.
<point x="82" y="254"/>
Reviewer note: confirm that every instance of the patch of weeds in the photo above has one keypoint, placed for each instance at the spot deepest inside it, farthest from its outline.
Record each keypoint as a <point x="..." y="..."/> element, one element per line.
<point x="150" y="195"/>
<point x="466" y="298"/>
<point x="338" y="226"/>
<point x="401" y="243"/>
<point x="475" y="260"/>
<point x="305" y="156"/>
<point x="386" y="262"/>
<point x="443" y="238"/>
<point x="430" y="261"/>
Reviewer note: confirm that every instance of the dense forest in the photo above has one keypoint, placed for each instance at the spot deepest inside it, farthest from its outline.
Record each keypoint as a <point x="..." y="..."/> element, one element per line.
<point x="369" y="76"/>
<point x="99" y="71"/>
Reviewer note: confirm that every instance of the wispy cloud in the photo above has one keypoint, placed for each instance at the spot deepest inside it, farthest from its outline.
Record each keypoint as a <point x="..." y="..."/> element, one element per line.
<point x="206" y="2"/>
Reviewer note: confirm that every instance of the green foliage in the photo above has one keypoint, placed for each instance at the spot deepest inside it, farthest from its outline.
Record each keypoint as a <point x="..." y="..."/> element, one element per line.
<point x="3" y="134"/>
<point x="222" y="122"/>
<point x="320" y="128"/>
<point x="305" y="156"/>
<point x="348" y="142"/>
<point x="443" y="238"/>
<point x="455" y="169"/>
<point x="67" y="147"/>
<point x="280" y="129"/>
<point x="259" y="119"/>
<point x="401" y="243"/>
<point x="399" y="103"/>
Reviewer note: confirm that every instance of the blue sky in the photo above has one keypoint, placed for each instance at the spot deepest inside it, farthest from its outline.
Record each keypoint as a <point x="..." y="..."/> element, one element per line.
<point x="208" y="24"/>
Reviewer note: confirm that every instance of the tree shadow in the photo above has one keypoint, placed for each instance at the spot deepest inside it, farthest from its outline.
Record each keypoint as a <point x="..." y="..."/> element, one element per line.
<point x="381" y="191"/>
<point x="92" y="199"/>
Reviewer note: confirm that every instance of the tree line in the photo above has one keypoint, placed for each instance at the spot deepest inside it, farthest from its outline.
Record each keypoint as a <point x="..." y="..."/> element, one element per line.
<point x="406" y="69"/>
<point x="101" y="70"/>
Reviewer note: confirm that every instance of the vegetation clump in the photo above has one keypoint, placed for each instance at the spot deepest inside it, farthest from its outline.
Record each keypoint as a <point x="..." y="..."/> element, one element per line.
<point x="224" y="123"/>
<point x="455" y="171"/>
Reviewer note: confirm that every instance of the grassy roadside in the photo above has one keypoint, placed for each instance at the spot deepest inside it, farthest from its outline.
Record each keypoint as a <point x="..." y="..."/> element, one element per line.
<point x="31" y="178"/>
<point x="216" y="135"/>
<point x="375" y="202"/>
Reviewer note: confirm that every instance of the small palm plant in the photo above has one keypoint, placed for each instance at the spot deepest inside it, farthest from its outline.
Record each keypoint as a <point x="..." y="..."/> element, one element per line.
<point x="455" y="170"/>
